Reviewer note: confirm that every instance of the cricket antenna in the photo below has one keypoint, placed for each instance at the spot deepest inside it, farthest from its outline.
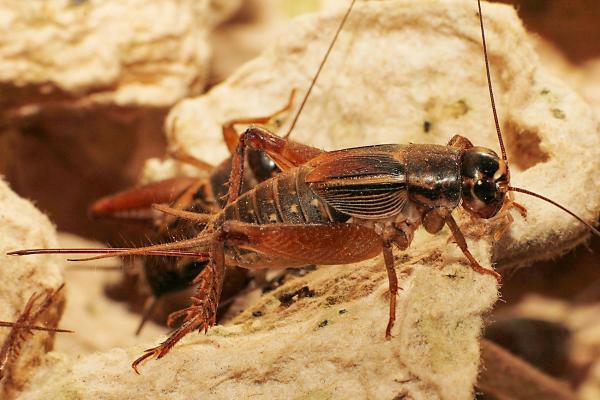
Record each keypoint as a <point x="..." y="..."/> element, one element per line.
<point x="499" y="132"/>
<point x="539" y="196"/>
<point x="314" y="79"/>
<point x="489" y="81"/>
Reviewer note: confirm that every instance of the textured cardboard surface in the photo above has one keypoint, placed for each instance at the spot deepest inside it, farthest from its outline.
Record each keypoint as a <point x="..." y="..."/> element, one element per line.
<point x="22" y="226"/>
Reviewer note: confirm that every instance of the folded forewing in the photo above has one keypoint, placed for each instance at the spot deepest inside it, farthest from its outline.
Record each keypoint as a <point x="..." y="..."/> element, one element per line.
<point x="366" y="182"/>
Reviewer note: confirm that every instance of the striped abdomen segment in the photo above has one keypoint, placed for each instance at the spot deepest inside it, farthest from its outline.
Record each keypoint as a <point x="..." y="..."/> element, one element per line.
<point x="286" y="198"/>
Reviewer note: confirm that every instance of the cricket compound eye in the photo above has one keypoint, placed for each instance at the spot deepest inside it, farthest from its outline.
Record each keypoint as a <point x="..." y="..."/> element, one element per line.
<point x="484" y="181"/>
<point x="262" y="166"/>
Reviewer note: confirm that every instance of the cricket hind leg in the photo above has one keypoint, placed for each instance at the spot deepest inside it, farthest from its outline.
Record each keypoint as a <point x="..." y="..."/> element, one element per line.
<point x="306" y="244"/>
<point x="202" y="314"/>
<point x="286" y="243"/>
<point x="203" y="282"/>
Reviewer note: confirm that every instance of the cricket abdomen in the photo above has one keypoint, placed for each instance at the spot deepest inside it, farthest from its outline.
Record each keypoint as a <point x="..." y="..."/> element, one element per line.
<point x="286" y="199"/>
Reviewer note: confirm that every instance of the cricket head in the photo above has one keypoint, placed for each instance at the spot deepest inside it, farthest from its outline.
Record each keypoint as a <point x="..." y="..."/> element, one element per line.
<point x="486" y="176"/>
<point x="485" y="181"/>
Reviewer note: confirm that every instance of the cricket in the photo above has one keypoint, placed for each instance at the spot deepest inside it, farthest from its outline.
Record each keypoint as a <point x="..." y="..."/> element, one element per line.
<point x="277" y="203"/>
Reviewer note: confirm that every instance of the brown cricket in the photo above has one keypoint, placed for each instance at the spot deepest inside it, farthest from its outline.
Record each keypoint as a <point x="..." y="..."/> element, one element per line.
<point x="335" y="207"/>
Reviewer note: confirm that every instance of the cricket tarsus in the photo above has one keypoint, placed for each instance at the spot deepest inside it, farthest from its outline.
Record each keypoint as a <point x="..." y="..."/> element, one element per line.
<point x="147" y="354"/>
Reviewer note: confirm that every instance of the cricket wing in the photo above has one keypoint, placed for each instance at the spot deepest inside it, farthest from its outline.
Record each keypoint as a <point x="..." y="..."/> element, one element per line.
<point x="367" y="182"/>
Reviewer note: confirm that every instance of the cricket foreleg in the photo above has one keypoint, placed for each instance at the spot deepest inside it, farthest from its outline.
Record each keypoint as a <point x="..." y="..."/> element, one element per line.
<point x="462" y="243"/>
<point x="505" y="217"/>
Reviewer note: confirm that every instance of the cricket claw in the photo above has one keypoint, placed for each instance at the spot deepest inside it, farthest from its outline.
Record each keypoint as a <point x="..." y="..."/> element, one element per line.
<point x="492" y="273"/>
<point x="157" y="352"/>
<point x="520" y="208"/>
<point x="153" y="352"/>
